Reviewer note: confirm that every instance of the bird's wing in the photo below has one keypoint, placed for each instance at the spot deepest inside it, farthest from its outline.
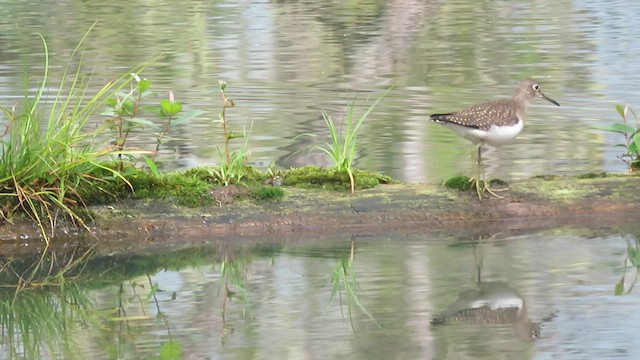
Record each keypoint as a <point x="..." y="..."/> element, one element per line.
<point x="483" y="115"/>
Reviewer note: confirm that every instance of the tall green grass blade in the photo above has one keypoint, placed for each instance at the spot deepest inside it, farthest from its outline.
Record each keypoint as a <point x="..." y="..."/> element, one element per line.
<point x="343" y="147"/>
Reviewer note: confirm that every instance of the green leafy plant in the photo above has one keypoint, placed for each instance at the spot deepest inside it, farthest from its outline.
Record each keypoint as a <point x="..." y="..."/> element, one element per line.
<point x="125" y="107"/>
<point x="233" y="164"/>
<point x="344" y="143"/>
<point x="126" y="115"/>
<point x="631" y="135"/>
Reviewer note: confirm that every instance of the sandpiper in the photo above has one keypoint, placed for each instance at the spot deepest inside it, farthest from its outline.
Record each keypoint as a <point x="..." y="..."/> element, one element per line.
<point x="495" y="122"/>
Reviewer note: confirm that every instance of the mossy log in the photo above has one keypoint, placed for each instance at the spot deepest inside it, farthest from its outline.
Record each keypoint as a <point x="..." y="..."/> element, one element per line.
<point x="536" y="203"/>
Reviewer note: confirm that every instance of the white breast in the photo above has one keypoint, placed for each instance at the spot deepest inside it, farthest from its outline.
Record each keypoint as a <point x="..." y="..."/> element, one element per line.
<point x="495" y="136"/>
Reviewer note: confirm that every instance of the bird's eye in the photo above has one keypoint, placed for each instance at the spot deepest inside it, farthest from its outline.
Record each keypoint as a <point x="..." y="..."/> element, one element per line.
<point x="536" y="87"/>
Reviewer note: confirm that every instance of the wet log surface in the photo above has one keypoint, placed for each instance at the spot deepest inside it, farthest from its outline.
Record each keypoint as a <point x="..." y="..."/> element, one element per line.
<point x="537" y="203"/>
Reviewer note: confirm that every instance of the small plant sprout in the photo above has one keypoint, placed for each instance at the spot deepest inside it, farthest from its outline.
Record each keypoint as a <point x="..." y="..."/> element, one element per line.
<point x="344" y="144"/>
<point x="171" y="111"/>
<point x="124" y="113"/>
<point x="631" y="135"/>
<point x="226" y="103"/>
<point x="125" y="117"/>
<point x="232" y="166"/>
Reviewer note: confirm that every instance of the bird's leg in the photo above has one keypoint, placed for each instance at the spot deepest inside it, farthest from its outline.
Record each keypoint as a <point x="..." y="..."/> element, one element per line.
<point x="479" y="176"/>
<point x="478" y="170"/>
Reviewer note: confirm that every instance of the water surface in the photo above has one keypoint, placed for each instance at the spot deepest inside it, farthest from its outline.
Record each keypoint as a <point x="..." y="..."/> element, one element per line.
<point x="285" y="60"/>
<point x="274" y="300"/>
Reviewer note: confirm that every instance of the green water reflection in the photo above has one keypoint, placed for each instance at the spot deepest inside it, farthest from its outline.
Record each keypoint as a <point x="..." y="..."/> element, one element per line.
<point x="375" y="297"/>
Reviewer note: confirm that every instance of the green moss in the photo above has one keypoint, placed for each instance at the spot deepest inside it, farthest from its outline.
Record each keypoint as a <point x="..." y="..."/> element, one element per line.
<point x="592" y="175"/>
<point x="185" y="189"/>
<point x="201" y="173"/>
<point x="546" y="177"/>
<point x="314" y="177"/>
<point x="268" y="193"/>
<point x="462" y="183"/>
<point x="196" y="187"/>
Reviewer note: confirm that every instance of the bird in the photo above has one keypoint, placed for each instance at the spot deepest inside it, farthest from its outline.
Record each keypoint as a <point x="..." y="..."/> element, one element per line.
<point x="495" y="122"/>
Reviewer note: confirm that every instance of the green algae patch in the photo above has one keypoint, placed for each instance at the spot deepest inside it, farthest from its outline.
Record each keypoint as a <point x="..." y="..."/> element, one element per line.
<point x="198" y="187"/>
<point x="568" y="189"/>
<point x="592" y="175"/>
<point x="183" y="189"/>
<point x="314" y="177"/>
<point x="546" y="177"/>
<point x="462" y="183"/>
<point x="268" y="193"/>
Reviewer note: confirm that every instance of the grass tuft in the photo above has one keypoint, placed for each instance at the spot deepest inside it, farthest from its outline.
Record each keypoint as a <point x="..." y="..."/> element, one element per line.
<point x="45" y="154"/>
<point x="344" y="143"/>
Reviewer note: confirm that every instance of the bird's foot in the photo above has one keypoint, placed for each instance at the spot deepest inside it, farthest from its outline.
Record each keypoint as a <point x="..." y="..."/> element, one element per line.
<point x="483" y="186"/>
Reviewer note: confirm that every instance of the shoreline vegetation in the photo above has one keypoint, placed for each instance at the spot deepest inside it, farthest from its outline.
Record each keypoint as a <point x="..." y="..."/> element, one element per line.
<point x="55" y="169"/>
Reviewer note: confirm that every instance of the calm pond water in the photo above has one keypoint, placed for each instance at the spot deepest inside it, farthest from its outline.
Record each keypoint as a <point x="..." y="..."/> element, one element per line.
<point x="551" y="294"/>
<point x="285" y="60"/>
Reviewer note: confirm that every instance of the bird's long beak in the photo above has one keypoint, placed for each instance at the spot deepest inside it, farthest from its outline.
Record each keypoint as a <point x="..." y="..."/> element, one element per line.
<point x="542" y="95"/>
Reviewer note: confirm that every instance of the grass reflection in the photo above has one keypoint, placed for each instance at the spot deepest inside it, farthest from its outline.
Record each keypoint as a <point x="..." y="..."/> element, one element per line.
<point x="632" y="260"/>
<point x="233" y="272"/>
<point x="41" y="308"/>
<point x="343" y="279"/>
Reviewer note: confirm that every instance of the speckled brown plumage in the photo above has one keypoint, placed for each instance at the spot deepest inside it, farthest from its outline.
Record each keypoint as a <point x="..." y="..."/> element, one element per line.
<point x="504" y="112"/>
<point x="482" y="116"/>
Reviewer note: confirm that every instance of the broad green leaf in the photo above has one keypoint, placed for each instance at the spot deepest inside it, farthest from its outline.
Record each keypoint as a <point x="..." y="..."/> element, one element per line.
<point x="129" y="106"/>
<point x="622" y="128"/>
<point x="171" y="350"/>
<point x="152" y="166"/>
<point x="144" y="85"/>
<point x="143" y="122"/>
<point x="187" y="116"/>
<point x="634" y="256"/>
<point x="636" y="142"/>
<point x="170" y="108"/>
<point x="619" y="289"/>
<point x="619" y="128"/>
